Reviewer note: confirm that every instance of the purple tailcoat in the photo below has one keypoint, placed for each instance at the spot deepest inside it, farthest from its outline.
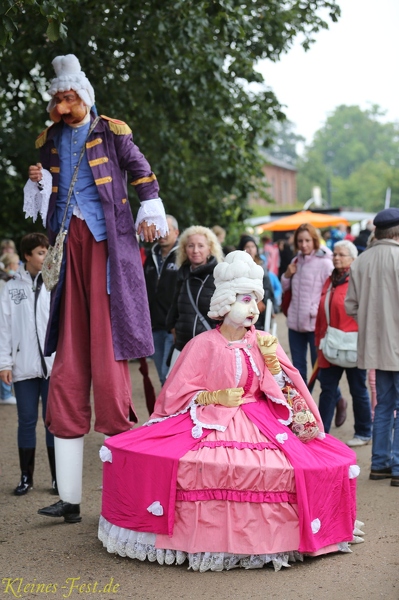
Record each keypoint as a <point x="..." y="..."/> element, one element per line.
<point x="110" y="156"/>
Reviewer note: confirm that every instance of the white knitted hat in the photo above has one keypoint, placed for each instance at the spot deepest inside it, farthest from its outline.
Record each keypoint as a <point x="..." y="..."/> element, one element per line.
<point x="237" y="274"/>
<point x="70" y="77"/>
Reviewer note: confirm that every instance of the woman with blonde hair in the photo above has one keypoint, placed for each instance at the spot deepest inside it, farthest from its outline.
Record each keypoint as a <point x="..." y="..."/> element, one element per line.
<point x="197" y="255"/>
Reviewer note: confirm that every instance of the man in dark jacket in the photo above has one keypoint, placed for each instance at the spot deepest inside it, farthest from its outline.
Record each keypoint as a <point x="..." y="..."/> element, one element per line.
<point x="160" y="273"/>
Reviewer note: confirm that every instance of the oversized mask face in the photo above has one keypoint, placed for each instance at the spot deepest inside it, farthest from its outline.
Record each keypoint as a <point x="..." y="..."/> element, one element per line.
<point x="69" y="108"/>
<point x="244" y="311"/>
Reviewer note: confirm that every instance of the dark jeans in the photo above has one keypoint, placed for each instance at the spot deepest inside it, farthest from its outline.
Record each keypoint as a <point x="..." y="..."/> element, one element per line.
<point x="385" y="450"/>
<point x="163" y="341"/>
<point x="27" y="393"/>
<point x="299" y="342"/>
<point x="329" y="379"/>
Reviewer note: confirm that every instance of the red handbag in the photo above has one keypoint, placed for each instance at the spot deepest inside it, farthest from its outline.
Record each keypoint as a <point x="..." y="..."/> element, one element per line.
<point x="286" y="301"/>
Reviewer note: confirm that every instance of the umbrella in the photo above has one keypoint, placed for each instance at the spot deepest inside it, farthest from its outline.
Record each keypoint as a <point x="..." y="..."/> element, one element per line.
<point x="292" y="222"/>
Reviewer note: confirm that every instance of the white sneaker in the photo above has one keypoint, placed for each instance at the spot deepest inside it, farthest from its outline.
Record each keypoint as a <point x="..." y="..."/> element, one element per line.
<point x="356" y="441"/>
<point x="10" y="400"/>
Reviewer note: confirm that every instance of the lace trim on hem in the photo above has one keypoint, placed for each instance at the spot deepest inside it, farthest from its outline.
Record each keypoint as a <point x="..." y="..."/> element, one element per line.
<point x="141" y="546"/>
<point x="196" y="431"/>
<point x="160" y="419"/>
<point x="284" y="403"/>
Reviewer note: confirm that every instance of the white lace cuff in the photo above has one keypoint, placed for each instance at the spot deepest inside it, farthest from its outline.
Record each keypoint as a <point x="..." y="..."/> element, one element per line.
<point x="196" y="431"/>
<point x="280" y="379"/>
<point x="35" y="200"/>
<point x="153" y="213"/>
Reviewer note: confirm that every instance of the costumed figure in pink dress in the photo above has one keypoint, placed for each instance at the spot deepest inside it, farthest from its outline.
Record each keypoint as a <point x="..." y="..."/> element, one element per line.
<point x="233" y="468"/>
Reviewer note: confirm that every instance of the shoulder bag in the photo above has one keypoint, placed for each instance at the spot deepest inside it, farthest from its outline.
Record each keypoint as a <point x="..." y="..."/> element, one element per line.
<point x="195" y="307"/>
<point x="338" y="347"/>
<point x="51" y="268"/>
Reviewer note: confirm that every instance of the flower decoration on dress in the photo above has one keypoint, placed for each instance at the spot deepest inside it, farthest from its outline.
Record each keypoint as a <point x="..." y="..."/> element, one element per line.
<point x="105" y="454"/>
<point x="354" y="471"/>
<point x="281" y="437"/>
<point x="303" y="423"/>
<point x="315" y="524"/>
<point x="156" y="509"/>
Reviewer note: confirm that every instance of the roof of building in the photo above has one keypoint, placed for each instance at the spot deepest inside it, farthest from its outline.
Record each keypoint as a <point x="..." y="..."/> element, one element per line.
<point x="277" y="162"/>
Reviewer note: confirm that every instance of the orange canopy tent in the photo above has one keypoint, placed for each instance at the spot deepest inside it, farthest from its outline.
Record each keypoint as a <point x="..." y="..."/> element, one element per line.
<point x="292" y="222"/>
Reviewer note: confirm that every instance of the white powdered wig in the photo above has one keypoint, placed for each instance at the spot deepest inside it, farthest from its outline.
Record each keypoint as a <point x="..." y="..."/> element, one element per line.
<point x="237" y="274"/>
<point x="69" y="76"/>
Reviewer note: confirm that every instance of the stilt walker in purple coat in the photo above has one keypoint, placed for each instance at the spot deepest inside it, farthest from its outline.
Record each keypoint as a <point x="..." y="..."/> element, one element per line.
<point x="99" y="310"/>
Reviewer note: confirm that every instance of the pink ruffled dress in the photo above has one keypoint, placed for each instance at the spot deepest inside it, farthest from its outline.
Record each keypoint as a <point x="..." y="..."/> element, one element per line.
<point x="235" y="500"/>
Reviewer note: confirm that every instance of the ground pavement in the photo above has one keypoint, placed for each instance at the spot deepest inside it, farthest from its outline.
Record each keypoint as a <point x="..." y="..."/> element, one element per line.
<point x="38" y="550"/>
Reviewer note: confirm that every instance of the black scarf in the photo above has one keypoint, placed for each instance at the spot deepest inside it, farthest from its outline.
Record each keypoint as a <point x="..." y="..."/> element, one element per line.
<point x="339" y="277"/>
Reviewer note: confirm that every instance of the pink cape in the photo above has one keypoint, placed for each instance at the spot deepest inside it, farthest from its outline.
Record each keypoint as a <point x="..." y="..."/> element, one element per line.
<point x="145" y="460"/>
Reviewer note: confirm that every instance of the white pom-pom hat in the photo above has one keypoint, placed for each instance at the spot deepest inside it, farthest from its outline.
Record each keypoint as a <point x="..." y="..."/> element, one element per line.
<point x="237" y="274"/>
<point x="69" y="76"/>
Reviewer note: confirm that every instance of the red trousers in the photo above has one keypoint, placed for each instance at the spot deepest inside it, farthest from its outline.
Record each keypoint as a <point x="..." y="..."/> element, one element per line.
<point x="85" y="353"/>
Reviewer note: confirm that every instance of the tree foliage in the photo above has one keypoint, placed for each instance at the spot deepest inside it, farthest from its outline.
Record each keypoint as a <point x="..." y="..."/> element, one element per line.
<point x="357" y="155"/>
<point x="176" y="70"/>
<point x="284" y="143"/>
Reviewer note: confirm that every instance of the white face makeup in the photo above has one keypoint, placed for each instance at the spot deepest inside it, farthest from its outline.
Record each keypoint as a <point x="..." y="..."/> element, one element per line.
<point x="244" y="311"/>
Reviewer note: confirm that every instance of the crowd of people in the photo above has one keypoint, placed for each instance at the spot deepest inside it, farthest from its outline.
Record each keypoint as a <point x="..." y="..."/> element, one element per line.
<point x="235" y="443"/>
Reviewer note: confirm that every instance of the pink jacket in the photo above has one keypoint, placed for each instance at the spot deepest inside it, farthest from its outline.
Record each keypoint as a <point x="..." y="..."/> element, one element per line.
<point x="307" y="285"/>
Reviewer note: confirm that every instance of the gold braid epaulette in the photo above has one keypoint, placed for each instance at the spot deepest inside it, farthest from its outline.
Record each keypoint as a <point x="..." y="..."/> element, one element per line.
<point x="116" y="126"/>
<point x="41" y="139"/>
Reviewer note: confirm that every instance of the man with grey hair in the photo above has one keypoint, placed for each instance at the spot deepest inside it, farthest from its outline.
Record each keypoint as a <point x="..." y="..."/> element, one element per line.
<point x="372" y="299"/>
<point x="160" y="273"/>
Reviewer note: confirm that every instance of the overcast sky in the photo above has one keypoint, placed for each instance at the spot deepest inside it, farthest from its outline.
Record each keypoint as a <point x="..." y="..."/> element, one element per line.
<point x="354" y="62"/>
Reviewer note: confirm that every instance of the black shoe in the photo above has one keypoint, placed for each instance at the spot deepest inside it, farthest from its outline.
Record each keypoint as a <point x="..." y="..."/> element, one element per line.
<point x="27" y="466"/>
<point x="395" y="481"/>
<point x="70" y="512"/>
<point x="377" y="474"/>
<point x="24" y="485"/>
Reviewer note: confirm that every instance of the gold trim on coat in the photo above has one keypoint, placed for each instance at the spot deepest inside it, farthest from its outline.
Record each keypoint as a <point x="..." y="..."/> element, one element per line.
<point x="144" y="180"/>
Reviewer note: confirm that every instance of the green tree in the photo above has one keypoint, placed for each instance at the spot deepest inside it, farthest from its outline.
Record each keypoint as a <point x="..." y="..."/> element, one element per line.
<point x="176" y="71"/>
<point x="356" y="153"/>
<point x="366" y="187"/>
<point x="311" y="172"/>
<point x="284" y="143"/>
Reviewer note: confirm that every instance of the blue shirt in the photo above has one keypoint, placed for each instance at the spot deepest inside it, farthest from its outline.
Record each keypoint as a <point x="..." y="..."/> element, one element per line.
<point x="69" y="145"/>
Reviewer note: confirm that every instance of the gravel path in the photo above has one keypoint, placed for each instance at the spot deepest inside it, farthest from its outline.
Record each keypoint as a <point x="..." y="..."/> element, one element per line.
<point x="45" y="558"/>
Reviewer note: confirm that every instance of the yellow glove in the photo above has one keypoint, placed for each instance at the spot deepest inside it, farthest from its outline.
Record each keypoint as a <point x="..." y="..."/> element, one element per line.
<point x="268" y="347"/>
<point x="231" y="397"/>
